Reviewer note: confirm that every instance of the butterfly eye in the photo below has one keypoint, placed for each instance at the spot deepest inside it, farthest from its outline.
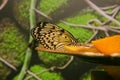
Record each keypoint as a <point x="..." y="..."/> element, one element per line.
<point x="65" y="36"/>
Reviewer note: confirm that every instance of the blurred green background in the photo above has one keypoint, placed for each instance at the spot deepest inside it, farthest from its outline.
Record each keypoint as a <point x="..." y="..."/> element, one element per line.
<point x="15" y="32"/>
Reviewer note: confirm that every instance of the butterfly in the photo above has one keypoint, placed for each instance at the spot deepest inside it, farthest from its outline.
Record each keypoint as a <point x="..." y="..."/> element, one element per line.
<point x="52" y="36"/>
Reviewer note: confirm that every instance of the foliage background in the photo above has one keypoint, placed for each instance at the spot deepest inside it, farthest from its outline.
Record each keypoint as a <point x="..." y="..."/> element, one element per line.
<point x="15" y="32"/>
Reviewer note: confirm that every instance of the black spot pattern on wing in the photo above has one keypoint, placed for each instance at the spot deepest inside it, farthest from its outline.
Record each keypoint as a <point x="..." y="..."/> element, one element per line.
<point x="35" y="32"/>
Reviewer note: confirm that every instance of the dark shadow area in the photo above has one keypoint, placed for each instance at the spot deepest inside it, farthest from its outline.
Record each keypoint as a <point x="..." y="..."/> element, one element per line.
<point x="74" y="71"/>
<point x="34" y="57"/>
<point x="72" y="8"/>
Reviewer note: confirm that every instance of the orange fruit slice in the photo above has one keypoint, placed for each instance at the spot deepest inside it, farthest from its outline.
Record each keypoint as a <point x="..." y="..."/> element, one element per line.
<point x="108" y="45"/>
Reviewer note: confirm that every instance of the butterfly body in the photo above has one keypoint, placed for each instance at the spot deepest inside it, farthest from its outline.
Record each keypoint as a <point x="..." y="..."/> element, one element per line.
<point x="51" y="36"/>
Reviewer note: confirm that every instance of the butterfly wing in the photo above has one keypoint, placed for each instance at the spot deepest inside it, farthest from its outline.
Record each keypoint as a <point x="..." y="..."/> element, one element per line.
<point x="51" y="36"/>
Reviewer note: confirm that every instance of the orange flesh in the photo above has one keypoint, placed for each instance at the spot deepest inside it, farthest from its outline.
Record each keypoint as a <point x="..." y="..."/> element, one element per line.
<point x="80" y="49"/>
<point x="108" y="45"/>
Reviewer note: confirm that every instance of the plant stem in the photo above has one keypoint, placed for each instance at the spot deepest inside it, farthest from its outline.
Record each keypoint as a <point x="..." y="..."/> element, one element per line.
<point x="28" y="51"/>
<point x="25" y="64"/>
